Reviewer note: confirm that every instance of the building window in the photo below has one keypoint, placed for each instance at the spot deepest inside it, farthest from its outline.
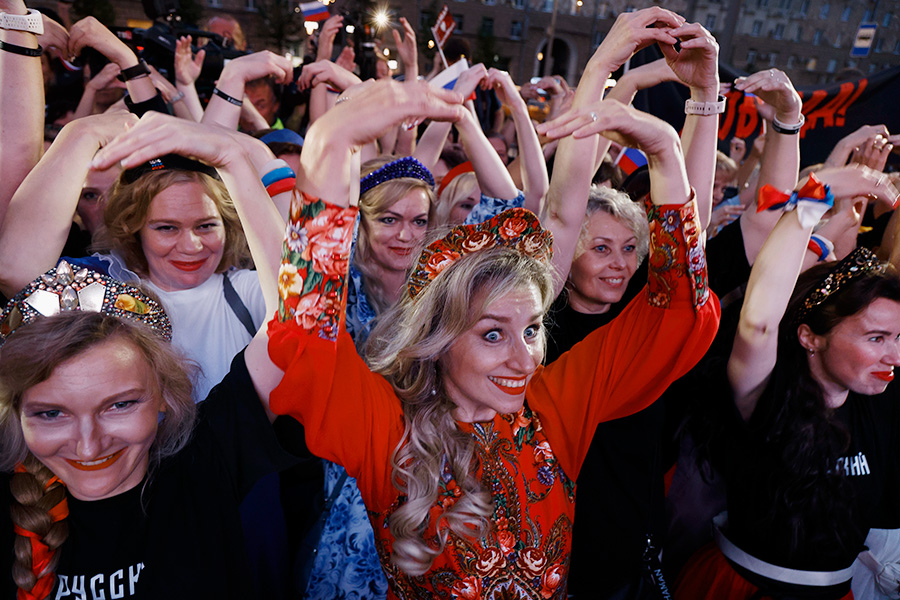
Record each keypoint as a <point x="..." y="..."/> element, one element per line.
<point x="515" y="30"/>
<point x="837" y="40"/>
<point x="518" y="3"/>
<point x="214" y="3"/>
<point x="547" y="6"/>
<point x="845" y="16"/>
<point x="897" y="47"/>
<point x="804" y="6"/>
<point x="757" y="26"/>
<point x="832" y="65"/>
<point x="779" y="31"/>
<point x="710" y="22"/>
<point x="460" y="21"/>
<point x="879" y="45"/>
<point x="867" y="16"/>
<point x="817" y="37"/>
<point x="773" y="59"/>
<point x="826" y="8"/>
<point x="791" y="61"/>
<point x="603" y="10"/>
<point x="598" y="37"/>
<point x="487" y="26"/>
<point x="811" y="65"/>
<point x="762" y="3"/>
<point x="490" y="2"/>
<point x="872" y="68"/>
<point x="799" y="36"/>
<point x="751" y="57"/>
<point x="886" y="21"/>
<point x="250" y="5"/>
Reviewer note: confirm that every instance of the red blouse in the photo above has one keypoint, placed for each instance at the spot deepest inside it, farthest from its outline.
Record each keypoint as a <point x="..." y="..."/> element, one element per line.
<point x="528" y="460"/>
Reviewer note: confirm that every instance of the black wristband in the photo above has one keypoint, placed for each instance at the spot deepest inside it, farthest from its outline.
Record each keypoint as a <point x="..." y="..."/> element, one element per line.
<point x="227" y="98"/>
<point x="138" y="70"/>
<point x="21" y="50"/>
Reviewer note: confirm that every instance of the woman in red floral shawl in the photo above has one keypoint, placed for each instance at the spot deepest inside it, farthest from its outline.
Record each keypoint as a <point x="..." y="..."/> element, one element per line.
<point x="465" y="448"/>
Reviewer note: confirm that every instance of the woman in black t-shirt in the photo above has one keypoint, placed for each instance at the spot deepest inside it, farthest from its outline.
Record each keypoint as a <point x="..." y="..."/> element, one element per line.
<point x="811" y="442"/>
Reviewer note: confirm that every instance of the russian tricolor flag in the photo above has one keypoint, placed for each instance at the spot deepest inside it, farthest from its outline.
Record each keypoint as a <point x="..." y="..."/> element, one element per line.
<point x="630" y="160"/>
<point x="314" y="11"/>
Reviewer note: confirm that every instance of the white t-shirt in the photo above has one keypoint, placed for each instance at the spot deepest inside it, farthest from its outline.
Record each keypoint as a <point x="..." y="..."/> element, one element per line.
<point x="206" y="329"/>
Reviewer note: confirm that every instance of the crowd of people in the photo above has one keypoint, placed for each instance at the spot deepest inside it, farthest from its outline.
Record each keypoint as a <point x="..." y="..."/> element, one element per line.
<point x="389" y="339"/>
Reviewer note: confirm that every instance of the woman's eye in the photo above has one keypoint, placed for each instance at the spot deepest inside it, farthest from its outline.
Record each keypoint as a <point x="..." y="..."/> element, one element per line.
<point x="48" y="414"/>
<point x="123" y="404"/>
<point x="90" y="196"/>
<point x="208" y="226"/>
<point x="467" y="205"/>
<point x="877" y="339"/>
<point x="630" y="249"/>
<point x="492" y="336"/>
<point x="387" y="220"/>
<point x="532" y="331"/>
<point x="164" y="228"/>
<point x="421" y="222"/>
<point x="601" y="248"/>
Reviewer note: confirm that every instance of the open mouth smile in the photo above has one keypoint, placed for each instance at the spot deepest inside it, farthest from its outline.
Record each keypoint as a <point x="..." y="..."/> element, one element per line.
<point x="95" y="465"/>
<point x="511" y="386"/>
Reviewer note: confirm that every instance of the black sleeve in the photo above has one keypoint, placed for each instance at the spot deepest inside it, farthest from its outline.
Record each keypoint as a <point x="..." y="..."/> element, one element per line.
<point x="726" y="260"/>
<point x="233" y="425"/>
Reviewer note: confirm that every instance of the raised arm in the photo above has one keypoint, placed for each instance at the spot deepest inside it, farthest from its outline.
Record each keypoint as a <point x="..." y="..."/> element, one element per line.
<point x="224" y="106"/>
<point x="187" y="69"/>
<point x="576" y="157"/>
<point x="90" y="33"/>
<point x="697" y="65"/>
<point x="781" y="157"/>
<point x="236" y="158"/>
<point x="408" y="50"/>
<point x="40" y="213"/>
<point x="775" y="273"/>
<point x="21" y="106"/>
<point x="532" y="166"/>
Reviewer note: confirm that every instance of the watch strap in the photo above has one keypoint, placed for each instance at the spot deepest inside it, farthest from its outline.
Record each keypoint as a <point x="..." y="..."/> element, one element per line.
<point x="138" y="70"/>
<point x="692" y="107"/>
<point x="32" y="22"/>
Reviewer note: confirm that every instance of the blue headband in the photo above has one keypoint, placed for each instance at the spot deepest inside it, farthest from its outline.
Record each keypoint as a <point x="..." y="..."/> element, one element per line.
<point x="400" y="168"/>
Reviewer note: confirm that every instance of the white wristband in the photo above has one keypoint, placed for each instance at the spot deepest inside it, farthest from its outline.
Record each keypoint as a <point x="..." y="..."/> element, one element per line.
<point x="692" y="107"/>
<point x="31" y="23"/>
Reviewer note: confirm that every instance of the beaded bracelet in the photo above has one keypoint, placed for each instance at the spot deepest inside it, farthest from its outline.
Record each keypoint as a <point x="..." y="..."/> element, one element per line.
<point x="786" y="129"/>
<point x="227" y="98"/>
<point x="21" y="50"/>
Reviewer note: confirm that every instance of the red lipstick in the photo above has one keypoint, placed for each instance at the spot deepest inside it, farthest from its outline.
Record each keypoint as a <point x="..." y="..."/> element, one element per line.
<point x="884" y="375"/>
<point x="96" y="465"/>
<point x="187" y="265"/>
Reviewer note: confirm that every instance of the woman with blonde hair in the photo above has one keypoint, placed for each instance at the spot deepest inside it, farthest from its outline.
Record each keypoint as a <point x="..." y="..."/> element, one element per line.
<point x="464" y="448"/>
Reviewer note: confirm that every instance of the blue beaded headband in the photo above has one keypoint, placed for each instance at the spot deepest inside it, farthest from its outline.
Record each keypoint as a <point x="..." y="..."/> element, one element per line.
<point x="402" y="167"/>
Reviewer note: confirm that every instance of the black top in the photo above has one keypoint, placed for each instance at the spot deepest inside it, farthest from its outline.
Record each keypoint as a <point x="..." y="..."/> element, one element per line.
<point x="620" y="486"/>
<point x="760" y="518"/>
<point x="178" y="535"/>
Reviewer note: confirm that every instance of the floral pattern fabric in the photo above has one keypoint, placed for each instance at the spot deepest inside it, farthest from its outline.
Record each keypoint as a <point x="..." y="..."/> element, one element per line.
<point x="488" y="208"/>
<point x="525" y="554"/>
<point x="528" y="462"/>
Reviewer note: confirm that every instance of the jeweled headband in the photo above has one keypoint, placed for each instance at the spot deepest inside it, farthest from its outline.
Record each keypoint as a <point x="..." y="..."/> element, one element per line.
<point x="858" y="263"/>
<point x="396" y="169"/>
<point x="515" y="228"/>
<point x="62" y="289"/>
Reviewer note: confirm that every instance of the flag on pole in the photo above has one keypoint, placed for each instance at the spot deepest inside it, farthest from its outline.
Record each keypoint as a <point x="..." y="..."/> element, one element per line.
<point x="630" y="160"/>
<point x="314" y="11"/>
<point x="444" y="27"/>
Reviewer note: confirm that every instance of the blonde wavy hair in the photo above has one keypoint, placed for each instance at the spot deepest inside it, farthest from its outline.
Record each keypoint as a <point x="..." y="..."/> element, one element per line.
<point x="129" y="204"/>
<point x="28" y="358"/>
<point x="406" y="347"/>
<point x="372" y="205"/>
